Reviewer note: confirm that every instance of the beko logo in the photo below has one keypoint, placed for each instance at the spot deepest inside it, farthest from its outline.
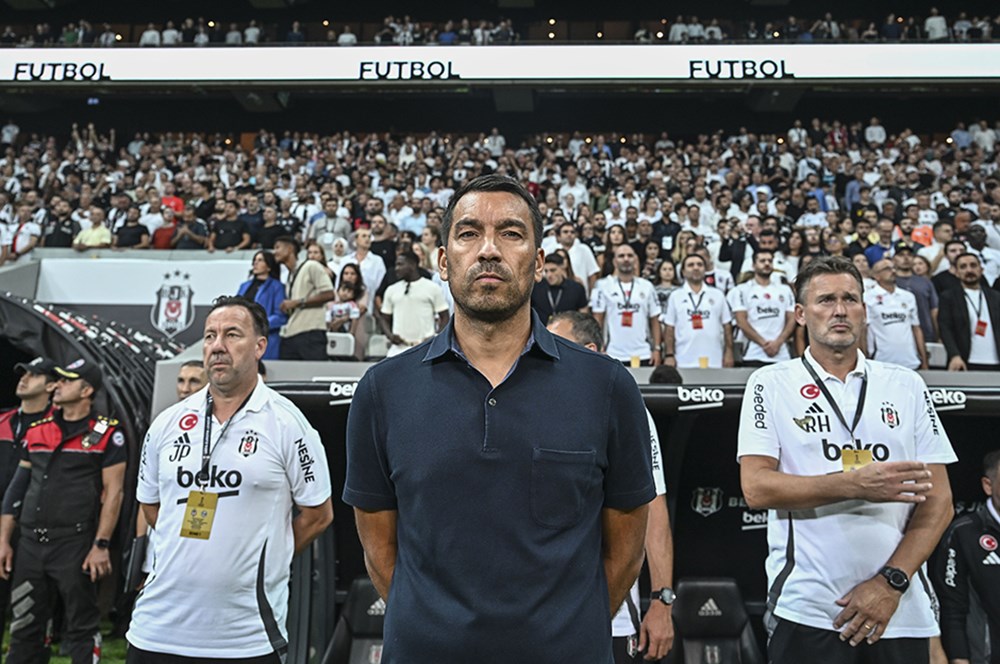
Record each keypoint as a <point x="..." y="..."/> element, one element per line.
<point x="948" y="399"/>
<point x="699" y="397"/>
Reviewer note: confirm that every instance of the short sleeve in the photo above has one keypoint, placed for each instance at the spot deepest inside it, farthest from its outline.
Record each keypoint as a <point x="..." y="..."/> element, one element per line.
<point x="628" y="480"/>
<point x="305" y="463"/>
<point x="387" y="303"/>
<point x="653" y="303"/>
<point x="725" y="315"/>
<point x="669" y="316"/>
<point x="355" y="312"/>
<point x="736" y="300"/>
<point x="659" y="478"/>
<point x="790" y="299"/>
<point x="114" y="449"/>
<point x="148" y="488"/>
<point x="757" y="433"/>
<point x="368" y="485"/>
<point x="932" y="442"/>
<point x="597" y="303"/>
<point x="438" y="298"/>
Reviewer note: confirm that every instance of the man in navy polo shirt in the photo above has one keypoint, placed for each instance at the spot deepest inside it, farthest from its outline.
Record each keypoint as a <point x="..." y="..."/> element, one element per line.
<point x="499" y="527"/>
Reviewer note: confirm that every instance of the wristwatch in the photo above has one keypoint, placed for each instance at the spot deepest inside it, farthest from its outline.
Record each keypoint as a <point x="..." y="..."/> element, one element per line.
<point x="897" y="578"/>
<point x="665" y="595"/>
<point x="102" y="543"/>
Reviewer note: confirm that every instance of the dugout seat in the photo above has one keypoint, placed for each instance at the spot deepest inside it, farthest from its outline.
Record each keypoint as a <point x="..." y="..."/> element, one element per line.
<point x="340" y="345"/>
<point x="358" y="636"/>
<point x="712" y="624"/>
<point x="378" y="347"/>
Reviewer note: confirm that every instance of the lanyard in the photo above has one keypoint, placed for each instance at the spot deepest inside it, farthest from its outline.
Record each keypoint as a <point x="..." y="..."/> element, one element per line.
<point x="979" y="308"/>
<point x="628" y="297"/>
<point x="206" y="444"/>
<point x="696" y="306"/>
<point x="833" y="404"/>
<point x="555" y="303"/>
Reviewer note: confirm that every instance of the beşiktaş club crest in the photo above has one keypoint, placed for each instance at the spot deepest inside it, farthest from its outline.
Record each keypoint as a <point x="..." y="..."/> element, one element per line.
<point x="174" y="309"/>
<point x="890" y="415"/>
<point x="706" y="501"/>
<point x="248" y="444"/>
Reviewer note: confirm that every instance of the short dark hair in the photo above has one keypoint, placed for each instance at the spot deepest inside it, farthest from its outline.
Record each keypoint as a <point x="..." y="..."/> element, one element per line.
<point x="555" y="259"/>
<point x="991" y="465"/>
<point x="767" y="232"/>
<point x="940" y="224"/>
<point x="489" y="183"/>
<point x="409" y="257"/>
<point x="194" y="363"/>
<point x="257" y="313"/>
<point x="666" y="375"/>
<point x="693" y="254"/>
<point x="586" y="329"/>
<point x="290" y="239"/>
<point x="757" y="253"/>
<point x="825" y="265"/>
<point x="966" y="253"/>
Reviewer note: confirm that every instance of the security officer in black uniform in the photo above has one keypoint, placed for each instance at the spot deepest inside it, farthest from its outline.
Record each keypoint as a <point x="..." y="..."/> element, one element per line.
<point x="37" y="380"/>
<point x="69" y="461"/>
<point x="968" y="561"/>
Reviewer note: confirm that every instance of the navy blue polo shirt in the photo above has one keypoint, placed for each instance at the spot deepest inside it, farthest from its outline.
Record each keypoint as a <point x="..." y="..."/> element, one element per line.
<point x="499" y="493"/>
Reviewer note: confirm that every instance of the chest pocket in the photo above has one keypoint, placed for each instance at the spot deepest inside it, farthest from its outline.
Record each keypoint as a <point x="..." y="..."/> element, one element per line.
<point x="560" y="483"/>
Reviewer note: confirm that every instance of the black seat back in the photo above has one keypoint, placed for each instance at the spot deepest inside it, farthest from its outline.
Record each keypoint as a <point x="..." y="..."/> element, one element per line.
<point x="712" y="623"/>
<point x="358" y="637"/>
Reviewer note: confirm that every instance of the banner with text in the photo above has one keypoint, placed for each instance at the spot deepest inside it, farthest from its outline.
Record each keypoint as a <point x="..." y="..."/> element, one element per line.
<point x="168" y="297"/>
<point x="503" y="64"/>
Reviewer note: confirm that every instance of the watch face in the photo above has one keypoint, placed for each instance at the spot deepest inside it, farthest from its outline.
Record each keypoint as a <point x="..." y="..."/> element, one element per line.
<point x="897" y="578"/>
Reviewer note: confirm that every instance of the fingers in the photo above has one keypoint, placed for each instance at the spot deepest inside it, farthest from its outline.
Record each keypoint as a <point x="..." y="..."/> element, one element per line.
<point x="876" y="633"/>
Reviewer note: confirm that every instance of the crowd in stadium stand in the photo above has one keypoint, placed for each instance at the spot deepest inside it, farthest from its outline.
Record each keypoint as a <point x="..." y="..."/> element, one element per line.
<point x="824" y="187"/>
<point x="960" y="27"/>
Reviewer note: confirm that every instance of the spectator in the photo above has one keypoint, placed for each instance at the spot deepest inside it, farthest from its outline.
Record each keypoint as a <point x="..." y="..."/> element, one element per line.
<point x="150" y="37"/>
<point x="191" y="232"/>
<point x="25" y="233"/>
<point x="373" y="268"/>
<point x="965" y="568"/>
<point x="265" y="288"/>
<point x="132" y="235"/>
<point x="989" y="258"/>
<point x="764" y="312"/>
<point x="555" y="292"/>
<point x="936" y="27"/>
<point x="347" y="38"/>
<point x="309" y="289"/>
<point x="98" y="236"/>
<point x="191" y="377"/>
<point x="170" y="36"/>
<point x="891" y="311"/>
<point x="697" y="330"/>
<point x="969" y="320"/>
<point x="229" y="233"/>
<point x="950" y="279"/>
<point x="234" y="37"/>
<point x="665" y="282"/>
<point x="251" y="33"/>
<point x="885" y="247"/>
<point x="163" y="235"/>
<point x="922" y="289"/>
<point x="413" y="308"/>
<point x="343" y="314"/>
<point x="934" y="253"/>
<point x="892" y="29"/>
<point x="295" y="34"/>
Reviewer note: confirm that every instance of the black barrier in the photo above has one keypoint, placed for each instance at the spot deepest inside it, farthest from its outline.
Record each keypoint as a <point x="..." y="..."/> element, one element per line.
<point x="715" y="533"/>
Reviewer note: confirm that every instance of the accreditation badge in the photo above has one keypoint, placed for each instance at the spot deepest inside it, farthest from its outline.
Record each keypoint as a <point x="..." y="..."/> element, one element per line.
<point x="199" y="514"/>
<point x="696" y="322"/>
<point x="856" y="459"/>
<point x="980" y="328"/>
<point x="626" y="319"/>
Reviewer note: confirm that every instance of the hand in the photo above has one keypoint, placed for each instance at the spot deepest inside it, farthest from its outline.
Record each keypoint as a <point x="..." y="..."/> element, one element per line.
<point x="867" y="610"/>
<point x="230" y="250"/>
<point x="397" y="340"/>
<point x="210" y="249"/>
<point x="771" y="347"/>
<point x="956" y="364"/>
<point x="656" y="634"/>
<point x="727" y="359"/>
<point x="97" y="563"/>
<point x="655" y="358"/>
<point x="892" y="482"/>
<point x="288" y="306"/>
<point x="6" y="560"/>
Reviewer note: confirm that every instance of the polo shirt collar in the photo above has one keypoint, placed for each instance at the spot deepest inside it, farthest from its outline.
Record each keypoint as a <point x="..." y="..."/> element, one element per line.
<point x="258" y="398"/>
<point x="858" y="372"/>
<point x="445" y="341"/>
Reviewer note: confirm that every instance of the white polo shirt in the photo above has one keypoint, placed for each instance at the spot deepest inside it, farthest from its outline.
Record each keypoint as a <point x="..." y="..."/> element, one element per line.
<point x="621" y="624"/>
<point x="766" y="308"/>
<point x="818" y="555"/>
<point x="628" y="309"/>
<point x="696" y="346"/>
<point x="891" y="319"/>
<point x="226" y="596"/>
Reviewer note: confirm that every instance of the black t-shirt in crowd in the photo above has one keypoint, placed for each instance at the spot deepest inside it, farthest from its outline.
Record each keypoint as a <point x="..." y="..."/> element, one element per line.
<point x="386" y="250"/>
<point x="268" y="234"/>
<point x="548" y="300"/>
<point x="229" y="233"/>
<point x="129" y="236"/>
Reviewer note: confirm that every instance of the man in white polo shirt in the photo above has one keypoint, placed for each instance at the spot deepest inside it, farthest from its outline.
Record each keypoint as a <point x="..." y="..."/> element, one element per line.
<point x="849" y="457"/>
<point x="698" y="330"/>
<point x="764" y="312"/>
<point x="629" y="306"/>
<point x="894" y="334"/>
<point x="219" y="476"/>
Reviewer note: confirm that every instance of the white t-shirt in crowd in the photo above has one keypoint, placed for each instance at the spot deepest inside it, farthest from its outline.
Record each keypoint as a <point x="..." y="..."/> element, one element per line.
<point x="984" y="348"/>
<point x="627" y="308"/>
<point x="414" y="306"/>
<point x="891" y="319"/>
<point x="621" y="624"/>
<point x="372" y="273"/>
<point x="766" y="308"/>
<point x="698" y="320"/>
<point x="989" y="259"/>
<point x="839" y="545"/>
<point x="226" y="596"/>
<point x="21" y="234"/>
